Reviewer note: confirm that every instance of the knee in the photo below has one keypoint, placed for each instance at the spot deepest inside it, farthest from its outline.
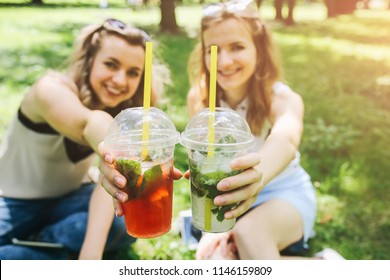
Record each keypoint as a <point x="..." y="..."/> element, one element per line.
<point x="246" y="229"/>
<point x="242" y="228"/>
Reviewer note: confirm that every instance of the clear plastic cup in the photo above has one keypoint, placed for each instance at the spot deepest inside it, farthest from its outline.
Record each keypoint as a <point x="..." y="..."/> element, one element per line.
<point x="232" y="139"/>
<point x="148" y="211"/>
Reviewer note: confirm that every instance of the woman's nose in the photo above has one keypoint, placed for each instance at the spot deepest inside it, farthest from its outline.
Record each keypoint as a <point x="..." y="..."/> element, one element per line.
<point x="120" y="78"/>
<point x="224" y="59"/>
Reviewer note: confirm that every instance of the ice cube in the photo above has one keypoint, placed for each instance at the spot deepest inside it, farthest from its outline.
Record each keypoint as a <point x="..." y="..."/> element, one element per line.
<point x="155" y="154"/>
<point x="198" y="156"/>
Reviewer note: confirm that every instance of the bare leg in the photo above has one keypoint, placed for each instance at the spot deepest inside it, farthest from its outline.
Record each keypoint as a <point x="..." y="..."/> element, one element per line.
<point x="267" y="229"/>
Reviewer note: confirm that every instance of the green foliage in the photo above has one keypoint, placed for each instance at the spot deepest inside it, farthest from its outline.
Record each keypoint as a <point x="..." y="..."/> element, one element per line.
<point x="340" y="67"/>
<point x="131" y="169"/>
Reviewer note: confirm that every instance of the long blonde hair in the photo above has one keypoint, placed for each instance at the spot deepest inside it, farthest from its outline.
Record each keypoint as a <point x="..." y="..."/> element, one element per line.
<point x="267" y="70"/>
<point x="88" y="43"/>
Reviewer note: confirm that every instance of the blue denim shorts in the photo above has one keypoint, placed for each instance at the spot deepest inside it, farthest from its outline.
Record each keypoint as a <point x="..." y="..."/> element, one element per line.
<point x="297" y="190"/>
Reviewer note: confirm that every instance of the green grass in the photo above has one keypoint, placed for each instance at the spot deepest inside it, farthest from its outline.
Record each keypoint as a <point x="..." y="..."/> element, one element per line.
<point x="340" y="66"/>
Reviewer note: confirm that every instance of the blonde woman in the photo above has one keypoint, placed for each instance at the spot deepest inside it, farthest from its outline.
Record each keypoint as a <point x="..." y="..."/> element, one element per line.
<point x="277" y="202"/>
<point x="52" y="142"/>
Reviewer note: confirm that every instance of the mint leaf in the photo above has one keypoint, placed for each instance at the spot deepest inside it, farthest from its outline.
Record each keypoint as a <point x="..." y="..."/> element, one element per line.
<point x="228" y="139"/>
<point x="150" y="175"/>
<point x="220" y="211"/>
<point x="209" y="183"/>
<point x="131" y="169"/>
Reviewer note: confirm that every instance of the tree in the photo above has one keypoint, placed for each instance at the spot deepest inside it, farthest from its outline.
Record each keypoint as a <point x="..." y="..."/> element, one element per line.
<point x="336" y="8"/>
<point x="37" y="2"/>
<point x="279" y="9"/>
<point x="168" y="17"/>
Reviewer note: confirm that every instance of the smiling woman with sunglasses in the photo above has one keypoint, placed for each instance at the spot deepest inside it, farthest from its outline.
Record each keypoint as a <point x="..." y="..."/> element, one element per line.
<point x="53" y="141"/>
<point x="276" y="200"/>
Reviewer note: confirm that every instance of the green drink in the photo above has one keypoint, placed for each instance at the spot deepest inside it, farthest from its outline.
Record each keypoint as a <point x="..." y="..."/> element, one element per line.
<point x="204" y="179"/>
<point x="232" y="139"/>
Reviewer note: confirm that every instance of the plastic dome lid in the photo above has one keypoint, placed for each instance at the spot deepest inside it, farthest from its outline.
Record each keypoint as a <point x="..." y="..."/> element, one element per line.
<point x="126" y="130"/>
<point x="231" y="131"/>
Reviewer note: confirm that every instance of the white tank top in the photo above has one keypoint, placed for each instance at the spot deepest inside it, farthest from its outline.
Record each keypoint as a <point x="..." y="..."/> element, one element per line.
<point x="242" y="110"/>
<point x="37" y="162"/>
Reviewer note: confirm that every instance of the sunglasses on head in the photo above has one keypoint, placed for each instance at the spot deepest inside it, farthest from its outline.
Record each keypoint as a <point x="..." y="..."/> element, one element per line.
<point x="243" y="8"/>
<point x="119" y="26"/>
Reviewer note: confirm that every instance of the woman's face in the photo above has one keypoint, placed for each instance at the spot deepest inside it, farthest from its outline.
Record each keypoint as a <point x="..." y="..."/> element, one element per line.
<point x="236" y="55"/>
<point x="116" y="71"/>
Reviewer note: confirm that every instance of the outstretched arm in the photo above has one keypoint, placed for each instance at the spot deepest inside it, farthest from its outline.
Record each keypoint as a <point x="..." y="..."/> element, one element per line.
<point x="100" y="217"/>
<point x="272" y="158"/>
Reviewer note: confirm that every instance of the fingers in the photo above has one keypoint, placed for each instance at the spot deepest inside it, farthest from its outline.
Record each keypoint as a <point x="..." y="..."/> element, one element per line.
<point x="208" y="243"/>
<point x="238" y="195"/>
<point x="249" y="176"/>
<point x="216" y="246"/>
<point x="187" y="175"/>
<point x="177" y="174"/>
<point x="240" y="209"/>
<point x="118" y="208"/>
<point x="111" y="180"/>
<point x="245" y="162"/>
<point x="243" y="196"/>
<point x="113" y="190"/>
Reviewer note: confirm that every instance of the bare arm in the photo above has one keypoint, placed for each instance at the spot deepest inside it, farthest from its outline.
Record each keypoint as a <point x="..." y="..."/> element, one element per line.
<point x="283" y="142"/>
<point x="99" y="221"/>
<point x="273" y="157"/>
<point x="55" y="101"/>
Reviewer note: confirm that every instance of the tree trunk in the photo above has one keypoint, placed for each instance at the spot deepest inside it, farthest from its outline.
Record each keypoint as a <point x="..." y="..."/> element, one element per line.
<point x="336" y="7"/>
<point x="168" y="18"/>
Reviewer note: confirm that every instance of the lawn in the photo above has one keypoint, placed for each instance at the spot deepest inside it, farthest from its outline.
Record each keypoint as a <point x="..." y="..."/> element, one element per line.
<point x="340" y="66"/>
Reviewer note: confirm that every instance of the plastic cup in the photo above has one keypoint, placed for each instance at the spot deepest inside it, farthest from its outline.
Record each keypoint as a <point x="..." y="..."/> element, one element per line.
<point x="148" y="211"/>
<point x="233" y="138"/>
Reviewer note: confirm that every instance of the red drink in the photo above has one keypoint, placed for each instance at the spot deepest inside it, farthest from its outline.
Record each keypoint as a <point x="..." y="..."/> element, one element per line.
<point x="148" y="211"/>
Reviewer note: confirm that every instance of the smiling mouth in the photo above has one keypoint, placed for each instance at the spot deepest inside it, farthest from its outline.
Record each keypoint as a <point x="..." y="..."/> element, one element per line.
<point x="227" y="74"/>
<point x="114" y="91"/>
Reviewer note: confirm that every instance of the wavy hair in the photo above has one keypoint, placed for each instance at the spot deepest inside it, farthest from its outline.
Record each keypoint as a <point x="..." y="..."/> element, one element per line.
<point x="267" y="70"/>
<point x="88" y="43"/>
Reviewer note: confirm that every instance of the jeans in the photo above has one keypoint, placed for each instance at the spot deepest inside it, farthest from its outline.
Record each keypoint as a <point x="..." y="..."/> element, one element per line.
<point x="59" y="220"/>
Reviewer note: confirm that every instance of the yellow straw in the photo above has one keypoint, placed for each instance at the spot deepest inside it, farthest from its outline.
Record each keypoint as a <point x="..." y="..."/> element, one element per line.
<point x="211" y="133"/>
<point x="212" y="99"/>
<point x="147" y="91"/>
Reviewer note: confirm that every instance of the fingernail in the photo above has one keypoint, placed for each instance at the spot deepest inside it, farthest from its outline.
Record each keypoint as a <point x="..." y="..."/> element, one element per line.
<point x="223" y="185"/>
<point x="119" y="181"/>
<point x="120" y="196"/>
<point x="108" y="158"/>
<point x="228" y="215"/>
<point x="219" y="200"/>
<point x="234" y="164"/>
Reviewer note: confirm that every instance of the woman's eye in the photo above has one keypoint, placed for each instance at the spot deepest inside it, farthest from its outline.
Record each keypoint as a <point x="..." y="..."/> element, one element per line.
<point x="237" y="47"/>
<point x="133" y="73"/>
<point x="110" y="65"/>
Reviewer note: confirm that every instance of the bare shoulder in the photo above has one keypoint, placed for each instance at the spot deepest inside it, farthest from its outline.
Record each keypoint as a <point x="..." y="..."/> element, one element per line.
<point x="54" y="80"/>
<point x="287" y="100"/>
<point x="45" y="92"/>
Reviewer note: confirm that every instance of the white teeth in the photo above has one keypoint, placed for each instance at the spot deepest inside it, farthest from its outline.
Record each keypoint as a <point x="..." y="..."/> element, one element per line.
<point x="228" y="73"/>
<point x="114" y="90"/>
